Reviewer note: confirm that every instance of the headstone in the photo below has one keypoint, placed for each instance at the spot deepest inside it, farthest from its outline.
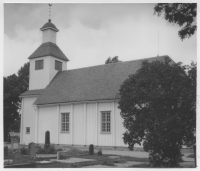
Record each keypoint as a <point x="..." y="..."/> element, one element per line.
<point x="100" y="151"/>
<point x="15" y="145"/>
<point x="31" y="150"/>
<point x="17" y="157"/>
<point x="47" y="140"/>
<point x="5" y="151"/>
<point x="91" y="149"/>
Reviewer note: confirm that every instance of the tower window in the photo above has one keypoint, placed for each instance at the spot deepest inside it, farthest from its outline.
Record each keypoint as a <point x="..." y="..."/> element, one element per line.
<point x="28" y="130"/>
<point x="58" y="65"/>
<point x="39" y="64"/>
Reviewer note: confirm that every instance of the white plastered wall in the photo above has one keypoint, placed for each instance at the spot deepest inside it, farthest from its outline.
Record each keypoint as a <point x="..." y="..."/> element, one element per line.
<point x="28" y="120"/>
<point x="49" y="36"/>
<point x="39" y="79"/>
<point x="85" y="124"/>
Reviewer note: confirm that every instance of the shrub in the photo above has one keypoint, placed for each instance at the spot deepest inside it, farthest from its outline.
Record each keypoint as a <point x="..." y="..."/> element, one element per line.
<point x="40" y="150"/>
<point x="50" y="150"/>
<point x="24" y="151"/>
<point x="62" y="157"/>
<point x="75" y="151"/>
<point x="107" y="163"/>
<point x="59" y="149"/>
<point x="99" y="153"/>
<point x="159" y="160"/>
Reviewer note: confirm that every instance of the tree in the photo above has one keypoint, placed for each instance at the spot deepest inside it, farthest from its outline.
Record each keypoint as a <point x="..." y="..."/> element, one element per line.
<point x="158" y="105"/>
<point x="14" y="86"/>
<point x="112" y="60"/>
<point x="183" y="14"/>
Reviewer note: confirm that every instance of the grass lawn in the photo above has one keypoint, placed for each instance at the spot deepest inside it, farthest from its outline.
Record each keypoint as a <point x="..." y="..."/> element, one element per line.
<point x="100" y="160"/>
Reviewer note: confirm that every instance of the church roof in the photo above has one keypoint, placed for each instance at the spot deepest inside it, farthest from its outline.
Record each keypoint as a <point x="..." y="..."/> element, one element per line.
<point x="32" y="92"/>
<point x="48" y="49"/>
<point x="49" y="25"/>
<point x="90" y="84"/>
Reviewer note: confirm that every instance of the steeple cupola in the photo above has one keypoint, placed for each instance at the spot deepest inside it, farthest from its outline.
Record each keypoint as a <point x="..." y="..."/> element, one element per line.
<point x="49" y="31"/>
<point x="47" y="59"/>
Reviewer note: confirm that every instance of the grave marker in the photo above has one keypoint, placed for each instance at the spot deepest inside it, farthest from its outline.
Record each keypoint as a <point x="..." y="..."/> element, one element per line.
<point x="17" y="158"/>
<point x="31" y="151"/>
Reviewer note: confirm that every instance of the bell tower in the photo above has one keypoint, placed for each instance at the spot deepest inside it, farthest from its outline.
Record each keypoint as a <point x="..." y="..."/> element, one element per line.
<point x="47" y="59"/>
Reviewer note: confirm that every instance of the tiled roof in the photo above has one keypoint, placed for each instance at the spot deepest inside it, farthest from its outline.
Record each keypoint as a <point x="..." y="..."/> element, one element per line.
<point x="46" y="49"/>
<point x="32" y="92"/>
<point x="49" y="25"/>
<point x="90" y="84"/>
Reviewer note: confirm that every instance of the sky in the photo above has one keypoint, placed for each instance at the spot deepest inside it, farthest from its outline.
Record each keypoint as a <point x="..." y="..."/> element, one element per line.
<point x="90" y="33"/>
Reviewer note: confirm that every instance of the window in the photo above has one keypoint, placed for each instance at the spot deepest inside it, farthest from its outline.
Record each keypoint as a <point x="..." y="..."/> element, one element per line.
<point x="58" y="65"/>
<point x="28" y="130"/>
<point x="39" y="64"/>
<point x="65" y="122"/>
<point x="105" y="122"/>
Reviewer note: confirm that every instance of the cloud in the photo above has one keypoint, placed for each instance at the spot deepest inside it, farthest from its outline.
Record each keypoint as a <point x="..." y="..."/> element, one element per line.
<point x="90" y="33"/>
<point x="18" y="49"/>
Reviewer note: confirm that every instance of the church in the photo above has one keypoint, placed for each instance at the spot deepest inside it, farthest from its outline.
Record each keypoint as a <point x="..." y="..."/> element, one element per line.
<point x="78" y="106"/>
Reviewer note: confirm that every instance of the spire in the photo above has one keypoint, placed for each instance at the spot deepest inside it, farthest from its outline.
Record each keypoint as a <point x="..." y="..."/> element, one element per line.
<point x="50" y="12"/>
<point x="49" y="25"/>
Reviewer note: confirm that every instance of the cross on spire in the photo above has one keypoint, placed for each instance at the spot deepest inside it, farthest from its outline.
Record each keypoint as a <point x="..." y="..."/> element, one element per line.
<point x="50" y="12"/>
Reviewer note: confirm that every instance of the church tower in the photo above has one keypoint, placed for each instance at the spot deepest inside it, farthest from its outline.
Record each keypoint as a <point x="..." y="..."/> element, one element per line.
<point x="47" y="59"/>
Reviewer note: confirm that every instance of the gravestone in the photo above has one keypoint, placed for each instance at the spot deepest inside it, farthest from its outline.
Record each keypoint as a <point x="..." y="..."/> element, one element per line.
<point x="100" y="151"/>
<point x="31" y="150"/>
<point x="17" y="157"/>
<point x="14" y="136"/>
<point x="47" y="140"/>
<point x="91" y="149"/>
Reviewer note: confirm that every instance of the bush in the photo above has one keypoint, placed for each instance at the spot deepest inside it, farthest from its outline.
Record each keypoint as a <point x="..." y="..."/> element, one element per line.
<point x="62" y="157"/>
<point x="40" y="150"/>
<point x="24" y="151"/>
<point x="59" y="149"/>
<point x="159" y="160"/>
<point x="50" y="150"/>
<point x="107" y="163"/>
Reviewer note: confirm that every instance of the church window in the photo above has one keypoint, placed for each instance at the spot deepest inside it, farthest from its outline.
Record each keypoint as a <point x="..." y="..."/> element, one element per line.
<point x="58" y="65"/>
<point x="39" y="64"/>
<point x="28" y="130"/>
<point x="105" y="122"/>
<point x="65" y="122"/>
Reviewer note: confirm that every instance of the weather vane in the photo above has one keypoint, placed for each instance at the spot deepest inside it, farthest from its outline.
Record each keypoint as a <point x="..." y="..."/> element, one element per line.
<point x="50" y="12"/>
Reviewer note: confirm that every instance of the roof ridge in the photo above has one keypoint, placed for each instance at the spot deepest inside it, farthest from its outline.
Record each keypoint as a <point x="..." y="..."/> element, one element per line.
<point x="142" y="59"/>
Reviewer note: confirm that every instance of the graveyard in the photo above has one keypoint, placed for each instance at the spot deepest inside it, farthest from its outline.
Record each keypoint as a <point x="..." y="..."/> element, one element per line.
<point x="51" y="156"/>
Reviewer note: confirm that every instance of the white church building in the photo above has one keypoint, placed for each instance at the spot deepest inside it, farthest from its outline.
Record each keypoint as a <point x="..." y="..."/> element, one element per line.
<point x="77" y="107"/>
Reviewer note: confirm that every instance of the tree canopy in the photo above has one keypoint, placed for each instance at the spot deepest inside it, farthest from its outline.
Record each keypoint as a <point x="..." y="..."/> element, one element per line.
<point x="158" y="105"/>
<point x="14" y="85"/>
<point x="183" y="14"/>
<point x="112" y="60"/>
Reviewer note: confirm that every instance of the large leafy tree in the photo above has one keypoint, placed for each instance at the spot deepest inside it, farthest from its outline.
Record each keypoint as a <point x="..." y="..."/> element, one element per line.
<point x="14" y="85"/>
<point x="112" y="60"/>
<point x="183" y="14"/>
<point x="158" y="105"/>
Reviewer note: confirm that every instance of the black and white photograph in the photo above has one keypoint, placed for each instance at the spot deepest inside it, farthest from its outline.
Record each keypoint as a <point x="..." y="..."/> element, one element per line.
<point x="100" y="84"/>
